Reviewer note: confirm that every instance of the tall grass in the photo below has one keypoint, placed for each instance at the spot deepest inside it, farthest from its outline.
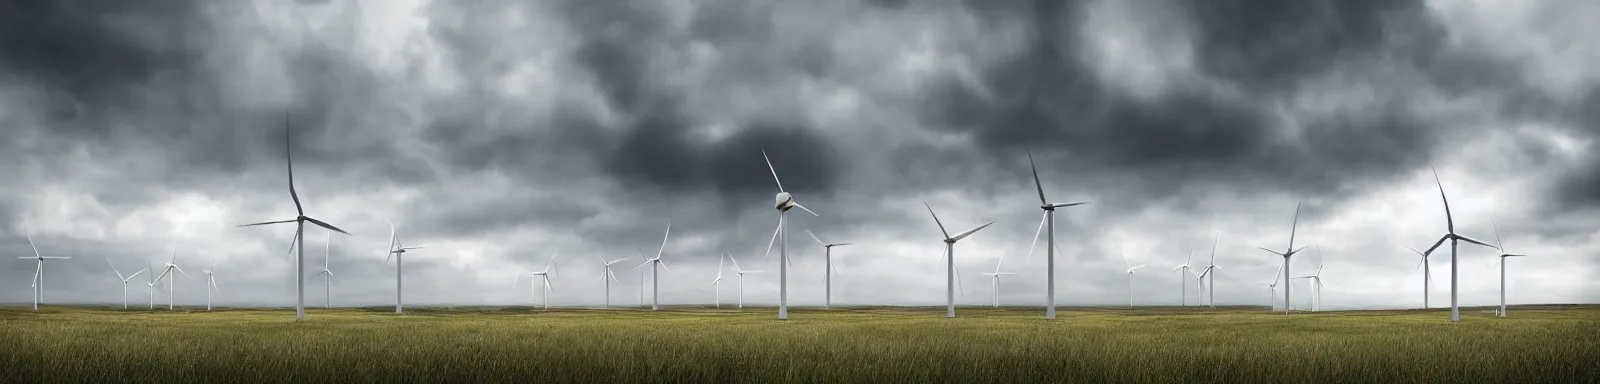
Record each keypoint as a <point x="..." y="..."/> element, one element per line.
<point x="878" y="345"/>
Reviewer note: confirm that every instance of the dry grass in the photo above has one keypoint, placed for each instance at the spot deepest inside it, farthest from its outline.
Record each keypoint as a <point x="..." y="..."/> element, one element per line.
<point x="876" y="345"/>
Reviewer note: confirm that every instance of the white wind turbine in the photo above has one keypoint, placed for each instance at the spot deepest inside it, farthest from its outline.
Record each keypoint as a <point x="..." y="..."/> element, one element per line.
<point x="211" y="281"/>
<point x="1210" y="278"/>
<point x="1450" y="234"/>
<point x="397" y="251"/>
<point x="1502" y="311"/>
<point x="950" y="259"/>
<point x="606" y="273"/>
<point x="1288" y="253"/>
<point x="715" y="282"/>
<point x="1183" y="270"/>
<point x="1272" y="288"/>
<point x="38" y="274"/>
<point x="827" y="280"/>
<point x="655" y="271"/>
<point x="1427" y="275"/>
<point x="1050" y="256"/>
<point x="741" y="273"/>
<point x="1131" y="268"/>
<point x="994" y="277"/>
<point x="171" y="266"/>
<point x="1316" y="287"/>
<point x="151" y="283"/>
<point x="543" y="275"/>
<point x="327" y="275"/>
<point x="785" y="202"/>
<point x="125" y="280"/>
<point x="299" y="220"/>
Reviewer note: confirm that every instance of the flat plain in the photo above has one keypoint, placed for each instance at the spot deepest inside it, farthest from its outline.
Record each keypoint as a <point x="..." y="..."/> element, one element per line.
<point x="1537" y="344"/>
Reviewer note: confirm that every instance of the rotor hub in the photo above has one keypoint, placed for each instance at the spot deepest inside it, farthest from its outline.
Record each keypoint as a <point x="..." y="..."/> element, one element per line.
<point x="1047" y="207"/>
<point x="949" y="241"/>
<point x="784" y="201"/>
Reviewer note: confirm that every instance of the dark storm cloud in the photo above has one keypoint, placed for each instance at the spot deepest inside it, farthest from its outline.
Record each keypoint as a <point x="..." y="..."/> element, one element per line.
<point x="99" y="52"/>
<point x="1268" y="46"/>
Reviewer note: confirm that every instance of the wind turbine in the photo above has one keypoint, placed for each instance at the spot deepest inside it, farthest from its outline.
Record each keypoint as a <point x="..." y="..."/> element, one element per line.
<point x="785" y="202"/>
<point x="950" y="259"/>
<point x="397" y="251"/>
<point x="655" y="272"/>
<point x="1316" y="280"/>
<point x="829" y="270"/>
<point x="1502" y="311"/>
<point x="125" y="280"/>
<point x="151" y="284"/>
<point x="171" y="266"/>
<point x="1272" y="288"/>
<point x="1427" y="275"/>
<point x="718" y="280"/>
<point x="994" y="277"/>
<point x="1183" y="269"/>
<point x="38" y="274"/>
<point x="606" y="273"/>
<point x="299" y="220"/>
<point x="741" y="273"/>
<point x="543" y="274"/>
<point x="1050" y="255"/>
<point x="1131" y="268"/>
<point x="1288" y="253"/>
<point x="1211" y="265"/>
<point x="1450" y="226"/>
<point x="211" y="281"/>
<point x="327" y="278"/>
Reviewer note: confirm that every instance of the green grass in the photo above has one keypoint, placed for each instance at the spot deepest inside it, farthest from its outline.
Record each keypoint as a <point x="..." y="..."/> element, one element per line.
<point x="867" y="345"/>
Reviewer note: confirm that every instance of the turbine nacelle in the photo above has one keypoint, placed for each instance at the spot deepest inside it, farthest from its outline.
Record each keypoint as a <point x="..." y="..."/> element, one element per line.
<point x="785" y="201"/>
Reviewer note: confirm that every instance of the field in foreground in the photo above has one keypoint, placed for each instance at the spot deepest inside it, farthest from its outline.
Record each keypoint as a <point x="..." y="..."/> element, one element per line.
<point x="878" y="345"/>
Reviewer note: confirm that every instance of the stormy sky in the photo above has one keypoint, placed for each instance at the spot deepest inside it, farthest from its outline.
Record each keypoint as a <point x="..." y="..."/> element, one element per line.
<point x="497" y="134"/>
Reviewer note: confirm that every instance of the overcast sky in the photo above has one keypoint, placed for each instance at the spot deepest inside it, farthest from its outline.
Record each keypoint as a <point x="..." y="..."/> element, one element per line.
<point x="500" y="133"/>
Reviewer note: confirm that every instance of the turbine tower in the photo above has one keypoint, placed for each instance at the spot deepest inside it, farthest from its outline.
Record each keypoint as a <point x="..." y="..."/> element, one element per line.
<point x="827" y="280"/>
<point x="1288" y="253"/>
<point x="994" y="277"/>
<point x="171" y="266"/>
<point x="1427" y="275"/>
<point x="125" y="280"/>
<point x="38" y="274"/>
<point x="1050" y="222"/>
<point x="543" y="275"/>
<point x="1209" y="278"/>
<point x="299" y="221"/>
<point x="606" y="273"/>
<point x="327" y="275"/>
<point x="950" y="259"/>
<point x="1450" y="227"/>
<point x="1502" y="311"/>
<point x="741" y="273"/>
<point x="1131" y="268"/>
<point x="211" y="281"/>
<point x="1184" y="270"/>
<point x="785" y="202"/>
<point x="656" y="264"/>
<point x="397" y="251"/>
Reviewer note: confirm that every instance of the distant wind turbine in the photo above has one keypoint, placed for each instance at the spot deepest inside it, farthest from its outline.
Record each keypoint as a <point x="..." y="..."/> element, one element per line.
<point x="299" y="232"/>
<point x="171" y="266"/>
<point x="124" y="279"/>
<point x="397" y="251"/>
<point x="950" y="259"/>
<point x="38" y="274"/>
<point x="1450" y="226"/>
<point x="828" y="269"/>
<point x="606" y="273"/>
<point x="1287" y="254"/>
<point x="1207" y="275"/>
<point x="1427" y="275"/>
<point x="327" y="275"/>
<point x="211" y="280"/>
<point x="1316" y="280"/>
<point x="715" y="282"/>
<point x="655" y="271"/>
<point x="543" y="275"/>
<point x="1272" y="289"/>
<point x="741" y="273"/>
<point x="1502" y="311"/>
<point x="994" y="277"/>
<point x="785" y="202"/>
<point x="1131" y="268"/>
<point x="1184" y="270"/>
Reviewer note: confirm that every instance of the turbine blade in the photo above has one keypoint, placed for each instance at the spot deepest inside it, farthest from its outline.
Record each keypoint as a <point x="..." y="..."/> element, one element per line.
<point x="114" y="268"/>
<point x="517" y="282"/>
<point x="964" y="235"/>
<point x="265" y="223"/>
<point x="130" y="277"/>
<point x="1067" y="205"/>
<point x="1294" y="227"/>
<point x="1269" y="250"/>
<point x="289" y="158"/>
<point x="1036" y="184"/>
<point x="1470" y="240"/>
<point x="1415" y="250"/>
<point x="1450" y="222"/>
<point x="841" y="244"/>
<point x="814" y="237"/>
<point x="546" y="280"/>
<point x="641" y="266"/>
<point x="774" y="239"/>
<point x="808" y="210"/>
<point x="774" y="170"/>
<point x="936" y="220"/>
<point x="1036" y="234"/>
<point x="613" y="275"/>
<point x="36" y="273"/>
<point x="664" y="241"/>
<point x="664" y="265"/>
<point x="326" y="225"/>
<point x="1436" y="244"/>
<point x="26" y="231"/>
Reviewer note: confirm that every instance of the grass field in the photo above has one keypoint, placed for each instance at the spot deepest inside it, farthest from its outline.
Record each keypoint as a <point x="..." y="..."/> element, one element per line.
<point x="1543" y="344"/>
